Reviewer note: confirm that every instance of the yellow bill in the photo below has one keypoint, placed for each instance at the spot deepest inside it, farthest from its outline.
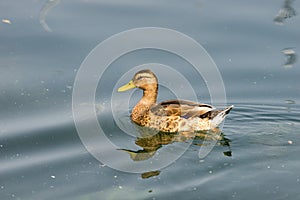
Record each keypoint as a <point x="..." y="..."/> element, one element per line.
<point x="128" y="86"/>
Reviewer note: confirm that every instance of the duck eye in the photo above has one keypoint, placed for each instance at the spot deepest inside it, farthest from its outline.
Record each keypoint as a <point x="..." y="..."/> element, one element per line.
<point x="142" y="77"/>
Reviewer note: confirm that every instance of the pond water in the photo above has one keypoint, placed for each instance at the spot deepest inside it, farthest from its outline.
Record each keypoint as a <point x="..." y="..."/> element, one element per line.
<point x="254" y="45"/>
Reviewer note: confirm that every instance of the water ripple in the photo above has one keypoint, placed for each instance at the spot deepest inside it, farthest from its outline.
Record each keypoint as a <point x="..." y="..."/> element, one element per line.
<point x="264" y="124"/>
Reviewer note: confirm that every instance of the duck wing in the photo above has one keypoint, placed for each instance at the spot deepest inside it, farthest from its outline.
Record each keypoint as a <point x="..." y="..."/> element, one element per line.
<point x="182" y="108"/>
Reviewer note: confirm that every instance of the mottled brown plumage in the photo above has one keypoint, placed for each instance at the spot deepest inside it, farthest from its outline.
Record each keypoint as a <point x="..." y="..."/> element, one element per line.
<point x="172" y="115"/>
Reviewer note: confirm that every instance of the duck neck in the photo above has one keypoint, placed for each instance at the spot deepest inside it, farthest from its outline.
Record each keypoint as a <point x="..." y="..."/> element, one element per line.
<point x="141" y="110"/>
<point x="149" y="96"/>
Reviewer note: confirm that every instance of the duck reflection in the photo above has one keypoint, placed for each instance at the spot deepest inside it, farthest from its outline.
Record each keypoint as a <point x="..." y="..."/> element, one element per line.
<point x="150" y="174"/>
<point x="150" y="142"/>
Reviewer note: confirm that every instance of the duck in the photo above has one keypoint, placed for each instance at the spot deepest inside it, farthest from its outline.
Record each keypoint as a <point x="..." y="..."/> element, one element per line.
<point x="171" y="115"/>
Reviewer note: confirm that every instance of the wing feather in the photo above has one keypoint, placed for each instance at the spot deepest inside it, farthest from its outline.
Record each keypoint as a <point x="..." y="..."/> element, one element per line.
<point x="181" y="108"/>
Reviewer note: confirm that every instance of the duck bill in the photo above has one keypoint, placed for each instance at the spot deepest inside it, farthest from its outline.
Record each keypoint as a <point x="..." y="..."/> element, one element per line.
<point x="126" y="87"/>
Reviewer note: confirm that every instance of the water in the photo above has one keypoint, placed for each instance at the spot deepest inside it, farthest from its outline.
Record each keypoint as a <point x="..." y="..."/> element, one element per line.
<point x="42" y="156"/>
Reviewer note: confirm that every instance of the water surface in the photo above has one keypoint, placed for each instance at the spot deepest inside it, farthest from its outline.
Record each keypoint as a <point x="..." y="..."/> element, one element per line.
<point x="42" y="156"/>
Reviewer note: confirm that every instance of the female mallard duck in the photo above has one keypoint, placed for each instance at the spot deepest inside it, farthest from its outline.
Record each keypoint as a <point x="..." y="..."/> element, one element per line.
<point x="172" y="115"/>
